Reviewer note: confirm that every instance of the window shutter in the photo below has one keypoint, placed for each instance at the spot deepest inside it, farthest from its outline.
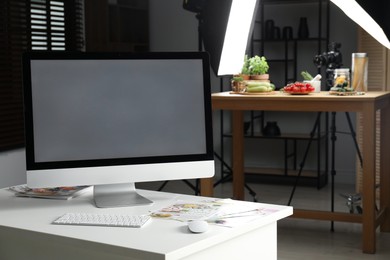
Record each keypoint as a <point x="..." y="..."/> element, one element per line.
<point x="13" y="41"/>
<point x="31" y="25"/>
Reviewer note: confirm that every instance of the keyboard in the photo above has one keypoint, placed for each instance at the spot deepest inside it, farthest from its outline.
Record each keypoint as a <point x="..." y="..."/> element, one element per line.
<point x="107" y="220"/>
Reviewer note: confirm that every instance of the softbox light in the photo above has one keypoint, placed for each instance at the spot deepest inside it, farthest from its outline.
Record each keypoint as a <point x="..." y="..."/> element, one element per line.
<point x="226" y="26"/>
<point x="371" y="15"/>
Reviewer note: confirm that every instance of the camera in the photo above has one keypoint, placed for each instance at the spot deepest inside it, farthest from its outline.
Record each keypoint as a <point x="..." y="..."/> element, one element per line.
<point x="332" y="59"/>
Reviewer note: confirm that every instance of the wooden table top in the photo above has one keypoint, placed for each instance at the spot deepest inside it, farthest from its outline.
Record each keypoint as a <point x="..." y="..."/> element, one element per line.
<point x="280" y="101"/>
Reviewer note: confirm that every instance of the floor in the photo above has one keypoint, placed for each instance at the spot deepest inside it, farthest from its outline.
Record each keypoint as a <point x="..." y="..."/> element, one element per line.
<point x="303" y="239"/>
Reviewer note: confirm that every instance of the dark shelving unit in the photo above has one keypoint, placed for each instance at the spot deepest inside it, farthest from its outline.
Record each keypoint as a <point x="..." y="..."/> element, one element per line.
<point x="288" y="50"/>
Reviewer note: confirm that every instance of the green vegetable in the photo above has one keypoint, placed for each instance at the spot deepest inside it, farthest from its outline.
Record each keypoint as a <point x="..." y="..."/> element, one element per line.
<point x="238" y="79"/>
<point x="259" y="89"/>
<point x="258" y="65"/>
<point x="251" y="84"/>
<point x="306" y="75"/>
<point x="245" y="67"/>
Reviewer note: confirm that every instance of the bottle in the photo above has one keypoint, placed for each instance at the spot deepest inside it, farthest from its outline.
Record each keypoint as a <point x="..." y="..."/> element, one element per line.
<point x="269" y="29"/>
<point x="303" y="29"/>
<point x="359" y="72"/>
<point x="287" y="33"/>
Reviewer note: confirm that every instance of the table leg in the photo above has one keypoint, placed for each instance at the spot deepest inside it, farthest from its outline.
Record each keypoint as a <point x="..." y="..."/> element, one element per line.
<point x="207" y="187"/>
<point x="385" y="167"/>
<point x="369" y="144"/>
<point x="238" y="155"/>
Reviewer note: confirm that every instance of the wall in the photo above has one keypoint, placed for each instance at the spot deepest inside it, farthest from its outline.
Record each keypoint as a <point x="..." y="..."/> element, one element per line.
<point x="12" y="168"/>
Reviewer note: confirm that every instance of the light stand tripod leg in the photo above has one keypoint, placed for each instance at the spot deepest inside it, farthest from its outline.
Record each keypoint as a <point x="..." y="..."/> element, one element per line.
<point x="229" y="176"/>
<point x="353" y="133"/>
<point x="333" y="169"/>
<point x="195" y="187"/>
<point x="163" y="186"/>
<point x="224" y="164"/>
<point x="312" y="134"/>
<point x="333" y="158"/>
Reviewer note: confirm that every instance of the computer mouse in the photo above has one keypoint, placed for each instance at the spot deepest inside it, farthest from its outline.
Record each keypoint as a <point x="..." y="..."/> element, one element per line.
<point x="198" y="226"/>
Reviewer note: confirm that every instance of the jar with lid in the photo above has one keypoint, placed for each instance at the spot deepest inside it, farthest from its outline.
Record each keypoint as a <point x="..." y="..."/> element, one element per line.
<point x="359" y="72"/>
<point x="341" y="79"/>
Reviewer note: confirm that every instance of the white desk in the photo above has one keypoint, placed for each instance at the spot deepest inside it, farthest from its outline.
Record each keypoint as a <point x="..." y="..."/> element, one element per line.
<point x="26" y="233"/>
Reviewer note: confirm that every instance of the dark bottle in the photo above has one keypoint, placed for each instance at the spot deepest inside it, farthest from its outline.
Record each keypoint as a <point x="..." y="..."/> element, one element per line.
<point x="303" y="29"/>
<point x="287" y="33"/>
<point x="269" y="29"/>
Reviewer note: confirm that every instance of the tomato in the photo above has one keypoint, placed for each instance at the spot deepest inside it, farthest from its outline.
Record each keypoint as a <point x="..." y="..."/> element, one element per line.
<point x="310" y="88"/>
<point x="299" y="87"/>
<point x="296" y="88"/>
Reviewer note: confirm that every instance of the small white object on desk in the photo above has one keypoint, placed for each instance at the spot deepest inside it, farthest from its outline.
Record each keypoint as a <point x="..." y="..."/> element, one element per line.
<point x="316" y="83"/>
<point x="198" y="226"/>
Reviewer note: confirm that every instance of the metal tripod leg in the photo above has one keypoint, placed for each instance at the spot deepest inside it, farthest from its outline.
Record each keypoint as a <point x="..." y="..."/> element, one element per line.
<point x="353" y="134"/>
<point x="333" y="138"/>
<point x="333" y="151"/>
<point x="189" y="184"/>
<point x="229" y="177"/>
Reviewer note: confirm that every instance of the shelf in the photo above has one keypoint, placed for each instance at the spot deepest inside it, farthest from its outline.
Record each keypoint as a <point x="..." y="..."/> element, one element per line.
<point x="270" y="2"/>
<point x="280" y="171"/>
<point x="292" y="136"/>
<point x="285" y="55"/>
<point x="278" y="175"/>
<point x="311" y="39"/>
<point x="280" y="60"/>
<point x="289" y="49"/>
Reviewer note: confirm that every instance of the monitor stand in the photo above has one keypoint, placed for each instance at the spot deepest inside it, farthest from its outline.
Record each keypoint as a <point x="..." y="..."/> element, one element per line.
<point x="118" y="195"/>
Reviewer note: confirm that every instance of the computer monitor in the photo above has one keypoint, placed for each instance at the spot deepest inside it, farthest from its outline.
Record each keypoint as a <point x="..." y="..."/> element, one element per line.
<point x="114" y="119"/>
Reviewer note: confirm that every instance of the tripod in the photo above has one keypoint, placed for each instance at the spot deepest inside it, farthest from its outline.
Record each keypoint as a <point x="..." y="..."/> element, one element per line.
<point x="229" y="177"/>
<point x="224" y="164"/>
<point x="333" y="138"/>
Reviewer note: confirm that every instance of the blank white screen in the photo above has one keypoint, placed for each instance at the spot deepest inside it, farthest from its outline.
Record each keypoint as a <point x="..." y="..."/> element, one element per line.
<point x="102" y="109"/>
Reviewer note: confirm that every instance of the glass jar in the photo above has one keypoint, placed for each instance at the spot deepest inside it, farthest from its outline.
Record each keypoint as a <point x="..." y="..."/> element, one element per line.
<point x="341" y="79"/>
<point x="359" y="72"/>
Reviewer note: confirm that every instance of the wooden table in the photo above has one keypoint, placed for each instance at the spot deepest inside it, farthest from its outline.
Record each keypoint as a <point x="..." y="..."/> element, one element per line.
<point x="367" y="105"/>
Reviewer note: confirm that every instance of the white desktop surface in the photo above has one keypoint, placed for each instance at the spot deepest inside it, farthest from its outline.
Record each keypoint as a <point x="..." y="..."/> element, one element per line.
<point x="26" y="232"/>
